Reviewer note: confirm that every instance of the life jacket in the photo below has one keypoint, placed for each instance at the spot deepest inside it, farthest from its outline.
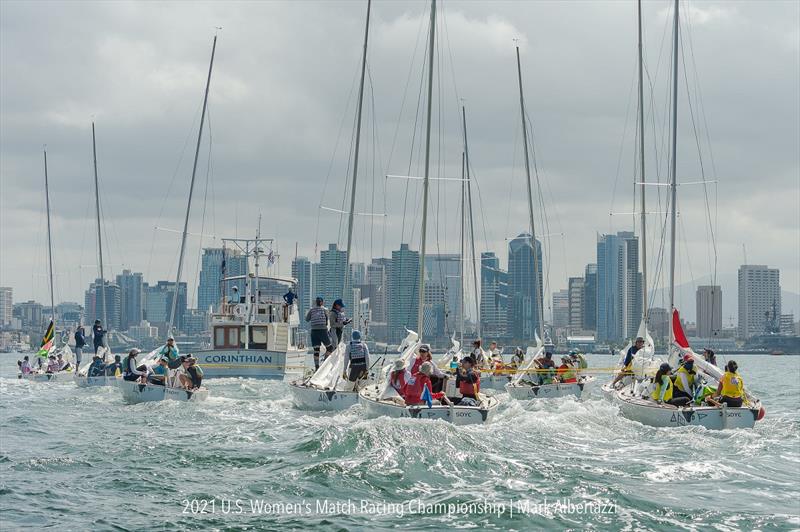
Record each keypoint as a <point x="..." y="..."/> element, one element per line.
<point x="656" y="395"/>
<point x="567" y="374"/>
<point x="318" y="318"/>
<point x="358" y="353"/>
<point x="340" y="318"/>
<point x="732" y="385"/>
<point x="689" y="378"/>
<point x="398" y="380"/>
<point x="128" y="366"/>
<point x="470" y="388"/>
<point x="413" y="392"/>
<point x="415" y="367"/>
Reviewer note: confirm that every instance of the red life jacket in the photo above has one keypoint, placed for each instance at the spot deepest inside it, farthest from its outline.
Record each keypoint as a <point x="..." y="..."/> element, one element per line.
<point x="412" y="393"/>
<point x="399" y="380"/>
<point x="470" y="388"/>
<point x="417" y="363"/>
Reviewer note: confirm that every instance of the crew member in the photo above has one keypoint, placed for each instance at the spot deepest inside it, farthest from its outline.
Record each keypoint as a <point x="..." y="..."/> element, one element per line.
<point x="416" y="384"/>
<point x="171" y="352"/>
<point x="338" y="320"/>
<point x="114" y="367"/>
<point x="80" y="343"/>
<point x="627" y="363"/>
<point x="356" y="359"/>
<point x="731" y="386"/>
<point x="684" y="380"/>
<point x="132" y="372"/>
<point x="468" y="382"/>
<point x="98" y="335"/>
<point x="159" y="373"/>
<point x="663" y="382"/>
<point x="317" y="318"/>
<point x="566" y="372"/>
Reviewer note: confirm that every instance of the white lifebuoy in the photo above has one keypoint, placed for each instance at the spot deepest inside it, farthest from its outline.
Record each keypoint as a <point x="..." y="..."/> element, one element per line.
<point x="238" y="311"/>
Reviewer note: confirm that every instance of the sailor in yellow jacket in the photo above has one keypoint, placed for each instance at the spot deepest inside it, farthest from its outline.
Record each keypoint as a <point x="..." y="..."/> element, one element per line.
<point x="663" y="382"/>
<point x="731" y="386"/>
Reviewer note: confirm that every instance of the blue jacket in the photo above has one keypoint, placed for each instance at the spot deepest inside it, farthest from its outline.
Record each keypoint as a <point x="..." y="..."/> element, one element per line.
<point x="80" y="338"/>
<point x="96" y="369"/>
<point x="98" y="332"/>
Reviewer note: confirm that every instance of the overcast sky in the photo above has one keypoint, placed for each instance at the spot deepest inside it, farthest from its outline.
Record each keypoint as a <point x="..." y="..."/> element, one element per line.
<point x="282" y="110"/>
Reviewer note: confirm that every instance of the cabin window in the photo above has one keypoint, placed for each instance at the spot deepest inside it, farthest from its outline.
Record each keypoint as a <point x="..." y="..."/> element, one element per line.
<point x="226" y="337"/>
<point x="258" y="337"/>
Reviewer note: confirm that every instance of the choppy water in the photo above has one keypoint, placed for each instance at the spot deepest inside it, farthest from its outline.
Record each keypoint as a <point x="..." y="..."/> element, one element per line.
<point x="79" y="459"/>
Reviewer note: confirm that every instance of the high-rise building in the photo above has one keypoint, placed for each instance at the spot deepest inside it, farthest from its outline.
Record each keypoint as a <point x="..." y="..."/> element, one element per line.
<point x="6" y="305"/>
<point x="759" y="299"/>
<point x="211" y="274"/>
<point x="301" y="270"/>
<point x="494" y="297"/>
<point x="113" y="304"/>
<point x="523" y="315"/>
<point x="445" y="271"/>
<point x="329" y="277"/>
<point x="132" y="298"/>
<point x="619" y="287"/>
<point x="709" y="311"/>
<point x="377" y="277"/>
<point x="195" y="322"/>
<point x="561" y="309"/>
<point x="576" y="289"/>
<point x="31" y="314"/>
<point x="433" y="319"/>
<point x="590" y="298"/>
<point x="403" y="296"/>
<point x="658" y="323"/>
<point x="787" y="324"/>
<point x="158" y="305"/>
<point x="358" y="273"/>
<point x="69" y="313"/>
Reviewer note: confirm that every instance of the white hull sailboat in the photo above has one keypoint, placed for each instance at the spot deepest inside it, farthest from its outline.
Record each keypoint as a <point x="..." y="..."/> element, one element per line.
<point x="374" y="406"/>
<point x="84" y="381"/>
<point x="135" y="392"/>
<point x="524" y="392"/>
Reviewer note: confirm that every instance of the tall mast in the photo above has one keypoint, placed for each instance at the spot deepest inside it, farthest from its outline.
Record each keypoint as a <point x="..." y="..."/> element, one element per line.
<point x="355" y="157"/>
<point x="643" y="236"/>
<point x="537" y="292"/>
<point x="471" y="225"/>
<point x="49" y="243"/>
<point x="461" y="249"/>
<point x="191" y="189"/>
<point x="432" y="44"/>
<point x="673" y="170"/>
<point x="99" y="238"/>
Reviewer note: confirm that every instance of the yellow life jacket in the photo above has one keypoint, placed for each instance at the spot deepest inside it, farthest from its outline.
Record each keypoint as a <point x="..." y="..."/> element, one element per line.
<point x="656" y="395"/>
<point x="689" y="379"/>
<point x="732" y="385"/>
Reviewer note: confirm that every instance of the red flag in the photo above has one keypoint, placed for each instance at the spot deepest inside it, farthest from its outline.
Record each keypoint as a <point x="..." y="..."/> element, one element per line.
<point x="677" y="330"/>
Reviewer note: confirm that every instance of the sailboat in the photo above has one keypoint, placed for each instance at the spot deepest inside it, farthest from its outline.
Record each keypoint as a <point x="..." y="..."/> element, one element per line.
<point x="633" y="398"/>
<point x="137" y="392"/>
<point x="326" y="389"/>
<point x="381" y="399"/>
<point x="49" y="345"/>
<point x="82" y="378"/>
<point x="522" y="386"/>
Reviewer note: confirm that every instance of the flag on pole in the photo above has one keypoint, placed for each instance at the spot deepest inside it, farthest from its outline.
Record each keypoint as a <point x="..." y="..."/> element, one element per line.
<point x="47" y="340"/>
<point x="426" y="396"/>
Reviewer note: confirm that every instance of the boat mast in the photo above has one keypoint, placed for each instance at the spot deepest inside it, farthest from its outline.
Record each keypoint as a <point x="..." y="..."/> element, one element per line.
<point x="355" y="160"/>
<point x="673" y="170"/>
<point x="99" y="239"/>
<point x="421" y="297"/>
<point x="471" y="225"/>
<point x="539" y="309"/>
<point x="461" y="249"/>
<point x="49" y="243"/>
<point x="191" y="189"/>
<point x="643" y="236"/>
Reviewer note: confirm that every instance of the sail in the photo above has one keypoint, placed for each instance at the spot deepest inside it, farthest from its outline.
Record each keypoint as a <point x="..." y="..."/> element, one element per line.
<point x="677" y="330"/>
<point x="528" y="366"/>
<point x="455" y="350"/>
<point x="330" y="371"/>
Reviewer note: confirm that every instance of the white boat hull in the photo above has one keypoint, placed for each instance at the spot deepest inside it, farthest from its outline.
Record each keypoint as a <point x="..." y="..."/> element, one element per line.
<point x="307" y="397"/>
<point x="490" y="381"/>
<point x="84" y="381"/>
<point x="64" y="376"/>
<point x="251" y="363"/>
<point x="457" y="415"/>
<point x="524" y="392"/>
<point x="134" y="392"/>
<point x="648" y="412"/>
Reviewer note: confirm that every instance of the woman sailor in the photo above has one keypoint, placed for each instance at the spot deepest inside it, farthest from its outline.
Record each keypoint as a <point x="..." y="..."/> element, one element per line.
<point x="356" y="359"/>
<point x="132" y="372"/>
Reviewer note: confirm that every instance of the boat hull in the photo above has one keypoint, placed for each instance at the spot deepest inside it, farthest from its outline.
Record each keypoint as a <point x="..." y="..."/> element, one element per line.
<point x="307" y="397"/>
<point x="251" y="363"/>
<point x="494" y="382"/>
<point x="47" y="377"/>
<point x="84" y="381"/>
<point x="649" y="413"/>
<point x="457" y="415"/>
<point x="524" y="392"/>
<point x="134" y="393"/>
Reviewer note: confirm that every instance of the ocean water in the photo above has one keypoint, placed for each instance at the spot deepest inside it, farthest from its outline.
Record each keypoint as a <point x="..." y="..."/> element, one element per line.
<point x="80" y="459"/>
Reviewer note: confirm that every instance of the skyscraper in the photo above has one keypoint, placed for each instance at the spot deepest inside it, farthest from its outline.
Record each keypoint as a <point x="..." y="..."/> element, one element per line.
<point x="377" y="278"/>
<point x="445" y="271"/>
<point x="131" y="298"/>
<point x="590" y="298"/>
<point x="208" y="289"/>
<point x="561" y="309"/>
<point x="301" y="270"/>
<point x="158" y="305"/>
<point x="494" y="296"/>
<point x="619" y="285"/>
<point x="709" y="311"/>
<point x="329" y="277"/>
<point x="403" y="296"/>
<point x="759" y="299"/>
<point x="523" y="316"/>
<point x="576" y="290"/>
<point x="6" y="305"/>
<point x="94" y="307"/>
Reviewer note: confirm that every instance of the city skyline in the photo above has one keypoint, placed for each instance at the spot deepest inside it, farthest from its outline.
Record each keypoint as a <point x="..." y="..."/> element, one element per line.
<point x="140" y="161"/>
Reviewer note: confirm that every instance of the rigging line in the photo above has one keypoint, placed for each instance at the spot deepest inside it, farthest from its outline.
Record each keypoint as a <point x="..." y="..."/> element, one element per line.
<point x="195" y="286"/>
<point x="621" y="150"/>
<point x="330" y="164"/>
<point x="376" y="150"/>
<point x="512" y="180"/>
<point x="347" y="181"/>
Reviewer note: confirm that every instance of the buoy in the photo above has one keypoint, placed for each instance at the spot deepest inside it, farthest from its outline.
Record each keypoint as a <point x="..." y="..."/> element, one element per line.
<point x="761" y="413"/>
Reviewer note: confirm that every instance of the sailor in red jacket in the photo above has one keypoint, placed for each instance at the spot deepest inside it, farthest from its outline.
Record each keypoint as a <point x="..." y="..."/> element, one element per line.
<point x="468" y="381"/>
<point x="415" y="385"/>
<point x="397" y="378"/>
